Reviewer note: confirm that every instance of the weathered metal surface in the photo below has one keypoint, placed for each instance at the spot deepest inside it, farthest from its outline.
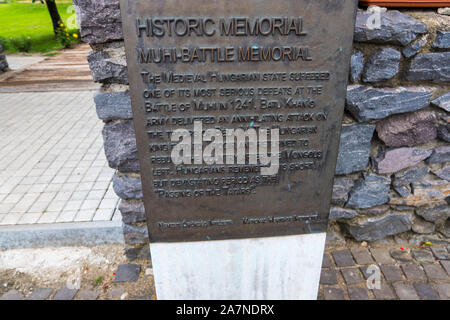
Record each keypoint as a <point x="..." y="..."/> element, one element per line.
<point x="282" y="64"/>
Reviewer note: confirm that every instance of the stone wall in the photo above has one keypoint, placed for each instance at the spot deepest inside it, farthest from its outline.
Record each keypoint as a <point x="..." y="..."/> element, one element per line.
<point x="393" y="171"/>
<point x="3" y="63"/>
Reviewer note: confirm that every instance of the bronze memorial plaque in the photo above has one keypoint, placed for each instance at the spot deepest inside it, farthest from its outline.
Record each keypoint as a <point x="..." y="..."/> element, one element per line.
<point x="237" y="109"/>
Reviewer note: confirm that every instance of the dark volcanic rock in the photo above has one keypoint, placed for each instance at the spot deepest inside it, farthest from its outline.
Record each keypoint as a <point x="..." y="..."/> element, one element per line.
<point x="127" y="187"/>
<point x="414" y="48"/>
<point x="411" y="175"/>
<point x="368" y="103"/>
<point x="337" y="213"/>
<point x="120" y="146"/>
<point x="430" y="67"/>
<point x="354" y="148"/>
<point x="377" y="228"/>
<point x="370" y="191"/>
<point x="132" y="211"/>
<point x="134" y="234"/>
<point x="392" y="161"/>
<point x="409" y="129"/>
<point x="442" y="102"/>
<point x="424" y="193"/>
<point x="396" y="28"/>
<point x="443" y="132"/>
<point x="357" y="65"/>
<point x="99" y="20"/>
<point x="440" y="154"/>
<point x="106" y="69"/>
<point x="442" y="40"/>
<point x="403" y="191"/>
<point x="341" y="188"/>
<point x="423" y="227"/>
<point x="382" y="65"/>
<point x="436" y="214"/>
<point x="113" y="105"/>
<point x="443" y="173"/>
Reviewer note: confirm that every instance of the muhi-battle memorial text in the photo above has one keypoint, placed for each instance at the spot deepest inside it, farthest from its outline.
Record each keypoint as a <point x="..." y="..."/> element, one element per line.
<point x="213" y="78"/>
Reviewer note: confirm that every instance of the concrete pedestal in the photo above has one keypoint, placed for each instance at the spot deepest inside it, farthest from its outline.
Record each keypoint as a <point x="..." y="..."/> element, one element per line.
<point x="285" y="268"/>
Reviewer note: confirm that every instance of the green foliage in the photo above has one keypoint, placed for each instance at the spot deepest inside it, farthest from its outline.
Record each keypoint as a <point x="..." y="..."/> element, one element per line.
<point x="98" y="281"/>
<point x="27" y="27"/>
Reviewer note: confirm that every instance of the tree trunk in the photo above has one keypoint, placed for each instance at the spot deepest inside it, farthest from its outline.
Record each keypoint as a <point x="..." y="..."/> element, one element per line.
<point x="54" y="14"/>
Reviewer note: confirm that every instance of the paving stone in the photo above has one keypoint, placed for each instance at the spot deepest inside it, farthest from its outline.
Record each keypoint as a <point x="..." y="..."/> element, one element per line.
<point x="328" y="277"/>
<point x="382" y="65"/>
<point x="65" y="294"/>
<point x="366" y="274"/>
<point x="392" y="273"/>
<point x="423" y="256"/>
<point x="362" y="256"/>
<point x="405" y="291"/>
<point x="88" y="294"/>
<point x="40" y="294"/>
<point x="343" y="258"/>
<point x="443" y="290"/>
<point x="446" y="265"/>
<point x="382" y="256"/>
<point x="384" y="293"/>
<point x="401" y="256"/>
<point x="12" y="295"/>
<point x="352" y="276"/>
<point x="127" y="273"/>
<point x="333" y="294"/>
<point x="425" y="291"/>
<point x="326" y="261"/>
<point x="358" y="293"/>
<point x="414" y="272"/>
<point x="435" y="272"/>
<point x="440" y="253"/>
<point x="115" y="292"/>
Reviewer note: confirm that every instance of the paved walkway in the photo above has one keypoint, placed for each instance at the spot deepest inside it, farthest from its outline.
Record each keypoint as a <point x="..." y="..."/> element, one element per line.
<point x="52" y="164"/>
<point x="405" y="273"/>
<point x="65" y="71"/>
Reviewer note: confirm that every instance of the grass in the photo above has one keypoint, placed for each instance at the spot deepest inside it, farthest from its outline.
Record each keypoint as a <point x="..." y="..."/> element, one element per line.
<point x="27" y="27"/>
